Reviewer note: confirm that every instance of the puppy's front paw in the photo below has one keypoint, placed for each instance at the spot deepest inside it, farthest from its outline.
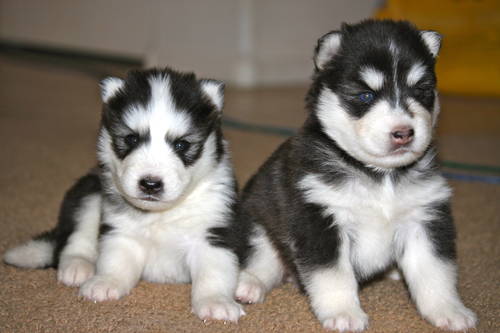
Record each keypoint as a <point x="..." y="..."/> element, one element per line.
<point x="103" y="288"/>
<point x="219" y="308"/>
<point x="250" y="289"/>
<point x="348" y="320"/>
<point x="73" y="271"/>
<point x="453" y="317"/>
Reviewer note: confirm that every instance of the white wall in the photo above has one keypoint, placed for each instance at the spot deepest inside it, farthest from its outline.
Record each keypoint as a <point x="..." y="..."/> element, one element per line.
<point x="246" y="42"/>
<point x="286" y="32"/>
<point x="111" y="26"/>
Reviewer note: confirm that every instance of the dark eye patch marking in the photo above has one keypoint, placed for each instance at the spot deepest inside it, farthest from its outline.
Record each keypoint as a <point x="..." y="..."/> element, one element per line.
<point x="357" y="97"/>
<point x="127" y="141"/>
<point x="187" y="147"/>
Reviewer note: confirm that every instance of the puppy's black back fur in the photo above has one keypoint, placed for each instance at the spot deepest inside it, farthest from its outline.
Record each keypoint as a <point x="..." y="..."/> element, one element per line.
<point x="72" y="202"/>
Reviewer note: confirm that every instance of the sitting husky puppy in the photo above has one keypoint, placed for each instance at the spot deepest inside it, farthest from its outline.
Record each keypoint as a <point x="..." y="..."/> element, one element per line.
<point x="160" y="203"/>
<point x="358" y="189"/>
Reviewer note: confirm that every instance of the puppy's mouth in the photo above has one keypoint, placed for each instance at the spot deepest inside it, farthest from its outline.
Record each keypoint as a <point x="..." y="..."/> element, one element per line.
<point x="394" y="152"/>
<point x="401" y="151"/>
<point x="150" y="198"/>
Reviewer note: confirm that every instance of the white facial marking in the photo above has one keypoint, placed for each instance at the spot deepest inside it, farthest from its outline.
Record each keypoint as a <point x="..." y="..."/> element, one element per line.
<point x="436" y="109"/>
<point x="372" y="77"/>
<point x="395" y="54"/>
<point x="415" y="73"/>
<point x="165" y="118"/>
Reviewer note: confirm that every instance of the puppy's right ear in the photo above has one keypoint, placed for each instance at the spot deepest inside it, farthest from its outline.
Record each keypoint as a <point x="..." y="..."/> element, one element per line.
<point x="327" y="47"/>
<point x="109" y="87"/>
<point x="432" y="40"/>
<point x="214" y="90"/>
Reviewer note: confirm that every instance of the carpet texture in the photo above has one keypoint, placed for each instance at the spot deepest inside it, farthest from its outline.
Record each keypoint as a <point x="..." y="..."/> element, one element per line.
<point x="49" y="117"/>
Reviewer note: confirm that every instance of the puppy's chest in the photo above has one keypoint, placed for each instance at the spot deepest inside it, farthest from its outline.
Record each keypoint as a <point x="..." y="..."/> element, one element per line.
<point x="362" y="205"/>
<point x="168" y="246"/>
<point x="360" y="202"/>
<point x="371" y="213"/>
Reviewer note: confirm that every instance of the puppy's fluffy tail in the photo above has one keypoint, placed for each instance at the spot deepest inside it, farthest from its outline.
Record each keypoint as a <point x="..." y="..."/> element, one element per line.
<point x="36" y="253"/>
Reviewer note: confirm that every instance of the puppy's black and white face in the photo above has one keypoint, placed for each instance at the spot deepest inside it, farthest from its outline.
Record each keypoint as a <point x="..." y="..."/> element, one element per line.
<point x="158" y="134"/>
<point x="375" y="91"/>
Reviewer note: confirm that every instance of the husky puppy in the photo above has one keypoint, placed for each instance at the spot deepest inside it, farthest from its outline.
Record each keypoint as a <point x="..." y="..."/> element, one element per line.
<point x="160" y="203"/>
<point x="357" y="189"/>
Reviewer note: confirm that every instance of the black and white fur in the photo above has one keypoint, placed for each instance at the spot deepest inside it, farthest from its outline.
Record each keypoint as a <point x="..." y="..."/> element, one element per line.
<point x="160" y="203"/>
<point x="357" y="190"/>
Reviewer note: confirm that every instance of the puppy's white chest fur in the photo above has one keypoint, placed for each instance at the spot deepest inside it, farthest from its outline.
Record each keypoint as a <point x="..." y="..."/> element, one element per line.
<point x="167" y="248"/>
<point x="171" y="237"/>
<point x="373" y="216"/>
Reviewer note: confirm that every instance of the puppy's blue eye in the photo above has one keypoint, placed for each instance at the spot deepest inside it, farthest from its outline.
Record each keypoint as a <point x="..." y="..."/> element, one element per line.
<point x="366" y="97"/>
<point x="181" y="146"/>
<point x="132" y="140"/>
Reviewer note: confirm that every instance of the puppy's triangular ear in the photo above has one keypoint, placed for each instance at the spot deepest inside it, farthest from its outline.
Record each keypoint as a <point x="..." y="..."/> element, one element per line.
<point x="327" y="47"/>
<point x="214" y="90"/>
<point x="109" y="87"/>
<point x="432" y="40"/>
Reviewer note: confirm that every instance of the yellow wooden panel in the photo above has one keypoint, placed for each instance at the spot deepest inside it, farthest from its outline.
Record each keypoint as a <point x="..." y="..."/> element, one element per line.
<point x="469" y="62"/>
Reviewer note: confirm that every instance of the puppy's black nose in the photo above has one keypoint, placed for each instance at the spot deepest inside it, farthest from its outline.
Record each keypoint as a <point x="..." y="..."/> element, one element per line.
<point x="151" y="185"/>
<point x="402" y="135"/>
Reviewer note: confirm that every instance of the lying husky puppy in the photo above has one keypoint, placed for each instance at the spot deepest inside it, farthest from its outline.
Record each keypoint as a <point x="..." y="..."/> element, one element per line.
<point x="358" y="189"/>
<point x="160" y="203"/>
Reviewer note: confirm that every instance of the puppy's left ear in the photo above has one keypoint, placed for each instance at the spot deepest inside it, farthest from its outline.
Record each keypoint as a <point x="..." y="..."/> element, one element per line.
<point x="214" y="90"/>
<point x="432" y="40"/>
<point x="109" y="87"/>
<point x="328" y="46"/>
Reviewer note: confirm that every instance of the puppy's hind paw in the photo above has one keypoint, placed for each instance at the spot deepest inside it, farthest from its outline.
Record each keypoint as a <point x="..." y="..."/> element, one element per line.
<point x="355" y="320"/>
<point x="250" y="289"/>
<point x="455" y="318"/>
<point x="102" y="288"/>
<point x="74" y="271"/>
<point x="218" y="308"/>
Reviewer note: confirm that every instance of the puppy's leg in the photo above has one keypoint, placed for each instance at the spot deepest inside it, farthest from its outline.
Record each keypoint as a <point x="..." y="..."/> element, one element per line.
<point x="263" y="271"/>
<point x="333" y="290"/>
<point x="119" y="268"/>
<point x="428" y="265"/>
<point x="79" y="214"/>
<point x="77" y="260"/>
<point x="214" y="274"/>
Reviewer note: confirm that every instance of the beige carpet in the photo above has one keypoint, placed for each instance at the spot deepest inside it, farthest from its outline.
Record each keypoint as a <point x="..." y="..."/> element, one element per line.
<point x="48" y="121"/>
